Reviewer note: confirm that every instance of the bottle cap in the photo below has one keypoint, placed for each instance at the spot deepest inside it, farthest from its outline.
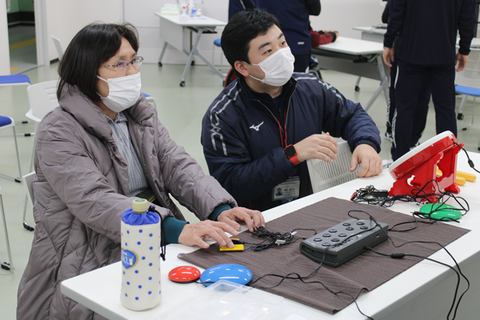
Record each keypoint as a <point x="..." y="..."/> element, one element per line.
<point x="140" y="206"/>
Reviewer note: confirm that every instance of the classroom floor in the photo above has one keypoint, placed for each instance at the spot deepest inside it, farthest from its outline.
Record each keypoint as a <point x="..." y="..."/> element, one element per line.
<point x="181" y="110"/>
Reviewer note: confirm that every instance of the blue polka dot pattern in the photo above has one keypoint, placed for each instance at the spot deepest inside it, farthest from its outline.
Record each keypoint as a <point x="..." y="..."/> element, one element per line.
<point x="142" y="280"/>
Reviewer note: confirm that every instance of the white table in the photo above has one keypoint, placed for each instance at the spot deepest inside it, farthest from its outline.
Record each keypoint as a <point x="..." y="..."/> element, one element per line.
<point x="424" y="291"/>
<point x="374" y="33"/>
<point x="357" y="57"/>
<point x="171" y="31"/>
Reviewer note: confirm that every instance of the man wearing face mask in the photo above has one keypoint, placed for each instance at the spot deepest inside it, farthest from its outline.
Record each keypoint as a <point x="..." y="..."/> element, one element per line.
<point x="258" y="132"/>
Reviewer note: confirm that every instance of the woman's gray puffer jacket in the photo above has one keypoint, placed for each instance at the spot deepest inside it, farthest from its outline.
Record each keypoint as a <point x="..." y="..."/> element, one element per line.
<point x="80" y="187"/>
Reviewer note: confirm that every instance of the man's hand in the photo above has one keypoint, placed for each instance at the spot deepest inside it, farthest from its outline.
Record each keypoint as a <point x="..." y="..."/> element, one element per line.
<point x="388" y="56"/>
<point x="252" y="218"/>
<point x="461" y="61"/>
<point x="194" y="234"/>
<point x="367" y="156"/>
<point x="317" y="146"/>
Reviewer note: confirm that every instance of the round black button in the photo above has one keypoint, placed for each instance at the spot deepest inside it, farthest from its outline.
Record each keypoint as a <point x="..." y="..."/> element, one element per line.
<point x="335" y="240"/>
<point x="317" y="239"/>
<point x="327" y="235"/>
<point x="349" y="228"/>
<point x="346" y="224"/>
<point x="326" y="244"/>
<point x="343" y="235"/>
<point x="364" y="227"/>
<point x="360" y="223"/>
<point x="332" y="231"/>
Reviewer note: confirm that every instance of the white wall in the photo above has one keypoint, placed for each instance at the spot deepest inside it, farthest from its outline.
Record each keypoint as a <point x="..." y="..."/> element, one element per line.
<point x="4" y="52"/>
<point x="343" y="15"/>
<point x="66" y="17"/>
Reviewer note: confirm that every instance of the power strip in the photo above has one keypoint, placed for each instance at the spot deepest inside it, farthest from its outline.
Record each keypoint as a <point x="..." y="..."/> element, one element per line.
<point x="343" y="242"/>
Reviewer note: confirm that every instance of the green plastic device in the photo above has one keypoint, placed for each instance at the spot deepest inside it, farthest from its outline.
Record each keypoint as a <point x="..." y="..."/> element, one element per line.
<point x="440" y="211"/>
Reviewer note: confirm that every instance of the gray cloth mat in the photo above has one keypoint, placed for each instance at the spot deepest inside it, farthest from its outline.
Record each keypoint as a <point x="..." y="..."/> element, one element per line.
<point x="365" y="272"/>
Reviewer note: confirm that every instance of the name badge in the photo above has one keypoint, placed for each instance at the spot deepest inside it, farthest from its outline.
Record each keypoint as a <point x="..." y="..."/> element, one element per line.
<point x="288" y="190"/>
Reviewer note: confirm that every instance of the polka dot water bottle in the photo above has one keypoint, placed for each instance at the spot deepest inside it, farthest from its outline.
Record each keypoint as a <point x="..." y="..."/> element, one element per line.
<point x="140" y="231"/>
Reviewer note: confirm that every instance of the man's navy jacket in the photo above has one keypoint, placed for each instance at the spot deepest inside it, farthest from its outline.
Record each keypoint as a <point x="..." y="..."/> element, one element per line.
<point x="243" y="141"/>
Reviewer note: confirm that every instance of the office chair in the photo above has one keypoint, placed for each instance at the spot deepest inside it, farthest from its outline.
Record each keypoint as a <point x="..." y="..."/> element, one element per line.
<point x="324" y="175"/>
<point x="28" y="179"/>
<point x="42" y="98"/>
<point x="58" y="47"/>
<point x="7" y="122"/>
<point x="6" y="265"/>
<point x="467" y="82"/>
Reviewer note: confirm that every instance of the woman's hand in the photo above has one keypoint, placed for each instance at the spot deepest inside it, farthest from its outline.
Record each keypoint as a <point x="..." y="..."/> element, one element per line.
<point x="194" y="234"/>
<point x="252" y="218"/>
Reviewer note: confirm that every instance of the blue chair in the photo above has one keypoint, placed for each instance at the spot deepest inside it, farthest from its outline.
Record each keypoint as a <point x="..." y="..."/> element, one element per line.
<point x="7" y="122"/>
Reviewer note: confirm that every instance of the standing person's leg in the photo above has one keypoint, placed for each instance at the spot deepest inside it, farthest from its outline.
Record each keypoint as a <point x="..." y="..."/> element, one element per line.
<point x="443" y="95"/>
<point x="302" y="61"/>
<point x="421" y="112"/>
<point x="391" y="101"/>
<point x="407" y="87"/>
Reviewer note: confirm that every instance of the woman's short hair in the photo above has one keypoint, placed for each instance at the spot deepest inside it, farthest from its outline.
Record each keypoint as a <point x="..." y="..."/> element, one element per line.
<point x="91" y="47"/>
<point x="243" y="28"/>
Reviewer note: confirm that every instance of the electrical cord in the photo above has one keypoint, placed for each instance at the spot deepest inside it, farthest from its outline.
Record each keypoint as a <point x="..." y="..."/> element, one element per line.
<point x="469" y="161"/>
<point x="273" y="237"/>
<point x="400" y="255"/>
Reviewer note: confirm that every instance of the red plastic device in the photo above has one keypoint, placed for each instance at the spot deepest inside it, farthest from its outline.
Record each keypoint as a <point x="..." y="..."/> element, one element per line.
<point x="415" y="169"/>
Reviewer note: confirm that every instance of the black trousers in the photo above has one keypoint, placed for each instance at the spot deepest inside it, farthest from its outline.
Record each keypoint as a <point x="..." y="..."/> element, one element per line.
<point x="412" y="81"/>
<point x="421" y="110"/>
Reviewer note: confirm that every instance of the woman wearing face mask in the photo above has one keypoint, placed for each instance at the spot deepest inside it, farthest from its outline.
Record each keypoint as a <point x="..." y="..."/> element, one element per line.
<point x="99" y="150"/>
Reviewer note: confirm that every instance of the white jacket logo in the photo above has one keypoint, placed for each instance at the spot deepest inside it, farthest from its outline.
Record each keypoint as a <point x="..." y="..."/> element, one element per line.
<point x="256" y="127"/>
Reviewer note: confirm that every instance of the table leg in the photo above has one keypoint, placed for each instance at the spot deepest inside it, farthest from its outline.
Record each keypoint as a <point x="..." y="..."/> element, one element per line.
<point x="162" y="53"/>
<point x="383" y="84"/>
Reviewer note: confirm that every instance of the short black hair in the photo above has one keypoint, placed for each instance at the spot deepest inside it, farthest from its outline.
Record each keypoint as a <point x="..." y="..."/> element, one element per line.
<point x="91" y="47"/>
<point x="243" y="28"/>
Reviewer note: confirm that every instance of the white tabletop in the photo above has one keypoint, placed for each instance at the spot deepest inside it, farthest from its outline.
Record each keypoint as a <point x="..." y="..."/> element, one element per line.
<point x="201" y="21"/>
<point x="352" y="46"/>
<point x="99" y="290"/>
<point x="374" y="30"/>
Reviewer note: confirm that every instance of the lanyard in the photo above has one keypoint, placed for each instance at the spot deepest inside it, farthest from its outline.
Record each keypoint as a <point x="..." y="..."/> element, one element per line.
<point x="284" y="142"/>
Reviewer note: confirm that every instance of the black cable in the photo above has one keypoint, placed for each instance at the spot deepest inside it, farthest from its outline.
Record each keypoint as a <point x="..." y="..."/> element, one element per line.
<point x="399" y="255"/>
<point x="273" y="237"/>
<point x="163" y="241"/>
<point x="469" y="161"/>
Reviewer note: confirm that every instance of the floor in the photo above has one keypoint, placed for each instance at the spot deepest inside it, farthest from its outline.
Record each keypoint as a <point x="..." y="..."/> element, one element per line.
<point x="23" y="49"/>
<point x="180" y="109"/>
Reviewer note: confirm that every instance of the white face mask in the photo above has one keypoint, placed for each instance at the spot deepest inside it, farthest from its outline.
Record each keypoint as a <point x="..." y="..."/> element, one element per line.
<point x="278" y="68"/>
<point x="123" y="92"/>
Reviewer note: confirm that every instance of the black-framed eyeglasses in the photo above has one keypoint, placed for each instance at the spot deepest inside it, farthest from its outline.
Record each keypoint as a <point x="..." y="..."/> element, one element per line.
<point x="123" y="64"/>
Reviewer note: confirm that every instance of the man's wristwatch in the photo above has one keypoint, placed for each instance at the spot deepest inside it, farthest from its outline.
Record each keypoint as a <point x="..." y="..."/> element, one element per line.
<point x="291" y="154"/>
